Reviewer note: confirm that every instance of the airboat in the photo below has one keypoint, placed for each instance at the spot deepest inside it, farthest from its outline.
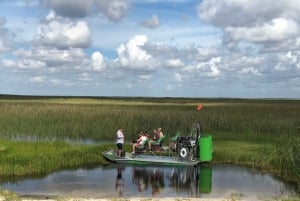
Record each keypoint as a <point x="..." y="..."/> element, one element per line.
<point x="183" y="150"/>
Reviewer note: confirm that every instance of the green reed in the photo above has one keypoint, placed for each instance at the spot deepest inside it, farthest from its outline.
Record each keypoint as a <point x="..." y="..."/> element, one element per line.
<point x="260" y="133"/>
<point x="38" y="158"/>
<point x="98" y="119"/>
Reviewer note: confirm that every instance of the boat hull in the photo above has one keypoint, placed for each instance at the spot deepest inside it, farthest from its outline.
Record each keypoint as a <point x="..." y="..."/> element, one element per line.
<point x="145" y="159"/>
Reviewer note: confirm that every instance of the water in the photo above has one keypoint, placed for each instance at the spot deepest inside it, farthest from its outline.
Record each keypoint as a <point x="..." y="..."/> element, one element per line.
<point x="221" y="181"/>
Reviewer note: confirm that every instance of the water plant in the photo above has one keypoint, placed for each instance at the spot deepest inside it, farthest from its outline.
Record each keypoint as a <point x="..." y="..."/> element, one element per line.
<point x="256" y="132"/>
<point x="39" y="158"/>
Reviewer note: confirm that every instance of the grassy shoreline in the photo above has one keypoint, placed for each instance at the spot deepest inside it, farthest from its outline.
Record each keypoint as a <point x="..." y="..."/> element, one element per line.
<point x="259" y="133"/>
<point x="32" y="159"/>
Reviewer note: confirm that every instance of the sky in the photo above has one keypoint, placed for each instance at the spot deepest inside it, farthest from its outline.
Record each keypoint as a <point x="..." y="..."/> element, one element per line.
<point x="155" y="48"/>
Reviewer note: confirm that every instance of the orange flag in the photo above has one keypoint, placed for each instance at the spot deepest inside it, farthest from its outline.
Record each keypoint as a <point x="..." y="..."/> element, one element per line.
<point x="199" y="107"/>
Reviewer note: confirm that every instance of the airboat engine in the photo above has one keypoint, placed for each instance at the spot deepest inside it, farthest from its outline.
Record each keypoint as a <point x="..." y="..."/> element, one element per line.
<point x="186" y="144"/>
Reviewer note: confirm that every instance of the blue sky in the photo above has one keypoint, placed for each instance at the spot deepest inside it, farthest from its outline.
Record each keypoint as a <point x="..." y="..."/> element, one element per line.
<point x="173" y="48"/>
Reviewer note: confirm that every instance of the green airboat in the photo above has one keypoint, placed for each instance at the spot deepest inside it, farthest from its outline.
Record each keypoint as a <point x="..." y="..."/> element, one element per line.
<point x="186" y="150"/>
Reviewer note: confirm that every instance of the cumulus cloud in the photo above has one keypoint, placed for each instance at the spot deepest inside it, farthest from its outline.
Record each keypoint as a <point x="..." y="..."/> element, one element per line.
<point x="145" y="78"/>
<point x="114" y="10"/>
<point x="174" y="63"/>
<point x="178" y="77"/>
<point x="7" y="63"/>
<point x="64" y="83"/>
<point x="86" y="77"/>
<point x="269" y="29"/>
<point x="152" y="22"/>
<point x="263" y="37"/>
<point x="3" y="46"/>
<point x="173" y="56"/>
<point x="271" y="24"/>
<point x="97" y="61"/>
<point x="277" y="29"/>
<point x="236" y="13"/>
<point x="140" y="55"/>
<point x="53" y="57"/>
<point x="211" y="68"/>
<point x="68" y="8"/>
<point x="132" y="54"/>
<point x="2" y="21"/>
<point x="6" y="36"/>
<point x="30" y="64"/>
<point x="63" y="33"/>
<point x="38" y="79"/>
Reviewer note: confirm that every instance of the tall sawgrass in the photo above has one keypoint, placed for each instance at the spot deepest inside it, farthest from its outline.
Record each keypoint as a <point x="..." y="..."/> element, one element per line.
<point x="39" y="158"/>
<point x="263" y="133"/>
<point x="98" y="120"/>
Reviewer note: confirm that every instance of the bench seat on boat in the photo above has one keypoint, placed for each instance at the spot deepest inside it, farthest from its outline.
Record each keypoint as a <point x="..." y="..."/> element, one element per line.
<point x="142" y="147"/>
<point x="157" y="145"/>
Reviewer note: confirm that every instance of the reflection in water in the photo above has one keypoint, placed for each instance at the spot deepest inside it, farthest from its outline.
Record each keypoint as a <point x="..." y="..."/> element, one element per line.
<point x="193" y="180"/>
<point x="143" y="181"/>
<point x="144" y="178"/>
<point x="119" y="182"/>
<point x="185" y="179"/>
<point x="181" y="179"/>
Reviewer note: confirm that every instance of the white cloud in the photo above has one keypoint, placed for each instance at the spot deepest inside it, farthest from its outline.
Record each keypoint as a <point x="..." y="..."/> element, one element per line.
<point x="8" y="63"/>
<point x="2" y="21"/>
<point x="63" y="33"/>
<point x="38" y="79"/>
<point x="250" y="70"/>
<point x="64" y="83"/>
<point x="85" y="77"/>
<point x="152" y="22"/>
<point x="132" y="54"/>
<point x="277" y="30"/>
<point x="174" y="63"/>
<point x="208" y="69"/>
<point x="52" y="56"/>
<point x="114" y="10"/>
<point x="238" y="46"/>
<point x="97" y="61"/>
<point x="21" y="3"/>
<point x="3" y="47"/>
<point x="236" y="13"/>
<point x="68" y="8"/>
<point x="30" y="64"/>
<point x="169" y="87"/>
<point x="6" y="36"/>
<point x="215" y="72"/>
<point x="145" y="77"/>
<point x="129" y="86"/>
<point x="178" y="77"/>
<point x="271" y="24"/>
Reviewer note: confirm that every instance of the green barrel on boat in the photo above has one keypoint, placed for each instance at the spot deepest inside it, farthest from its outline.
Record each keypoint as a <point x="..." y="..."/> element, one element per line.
<point x="205" y="147"/>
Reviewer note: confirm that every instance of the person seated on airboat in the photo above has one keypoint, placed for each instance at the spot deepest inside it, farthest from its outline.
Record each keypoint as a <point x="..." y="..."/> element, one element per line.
<point x="156" y="141"/>
<point x="140" y="142"/>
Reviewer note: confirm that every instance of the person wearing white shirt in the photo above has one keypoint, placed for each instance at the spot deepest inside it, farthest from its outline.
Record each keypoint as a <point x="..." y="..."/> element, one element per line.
<point x="120" y="140"/>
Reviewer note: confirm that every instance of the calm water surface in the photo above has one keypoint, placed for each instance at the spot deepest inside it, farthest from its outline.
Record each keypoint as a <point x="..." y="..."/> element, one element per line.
<point x="221" y="181"/>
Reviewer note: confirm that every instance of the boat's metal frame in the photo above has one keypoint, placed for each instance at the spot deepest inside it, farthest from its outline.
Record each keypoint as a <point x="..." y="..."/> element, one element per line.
<point x="149" y="158"/>
<point x="184" y="152"/>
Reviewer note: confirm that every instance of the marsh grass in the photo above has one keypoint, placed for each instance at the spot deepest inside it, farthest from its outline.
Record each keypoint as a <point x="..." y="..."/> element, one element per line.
<point x="37" y="158"/>
<point x="260" y="133"/>
<point x="98" y="120"/>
